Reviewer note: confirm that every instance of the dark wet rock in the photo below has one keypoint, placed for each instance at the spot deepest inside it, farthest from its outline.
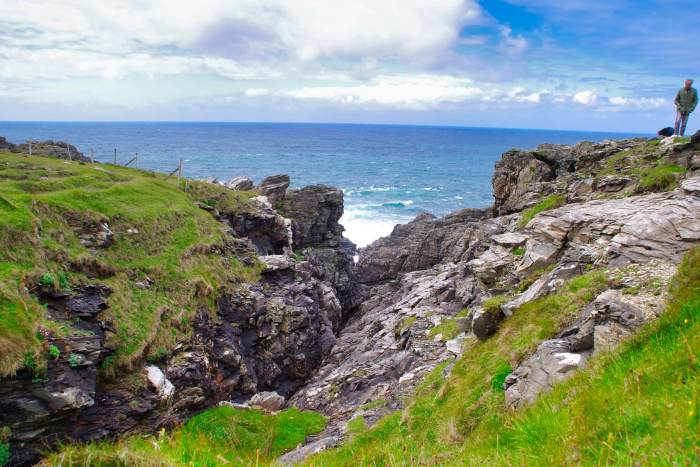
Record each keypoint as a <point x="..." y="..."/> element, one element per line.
<point x="485" y="322"/>
<point x="420" y="244"/>
<point x="267" y="232"/>
<point x="274" y="333"/>
<point x="89" y="302"/>
<point x="40" y="406"/>
<point x="336" y="267"/>
<point x="315" y="211"/>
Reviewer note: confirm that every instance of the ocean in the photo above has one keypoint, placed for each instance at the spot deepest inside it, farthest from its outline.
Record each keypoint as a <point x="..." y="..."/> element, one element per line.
<point x="388" y="173"/>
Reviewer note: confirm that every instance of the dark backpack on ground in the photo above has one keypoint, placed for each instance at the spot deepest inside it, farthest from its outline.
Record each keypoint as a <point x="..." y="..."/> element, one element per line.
<point x="666" y="132"/>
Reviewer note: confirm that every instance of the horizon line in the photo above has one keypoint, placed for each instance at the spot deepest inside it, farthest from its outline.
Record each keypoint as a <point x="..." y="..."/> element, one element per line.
<point x="422" y="125"/>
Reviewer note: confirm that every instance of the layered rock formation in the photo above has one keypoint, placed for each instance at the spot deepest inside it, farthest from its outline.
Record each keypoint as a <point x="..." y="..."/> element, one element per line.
<point x="427" y="285"/>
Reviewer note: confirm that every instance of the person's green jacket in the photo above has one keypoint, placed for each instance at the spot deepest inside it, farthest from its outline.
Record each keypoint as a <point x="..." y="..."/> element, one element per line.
<point x="686" y="100"/>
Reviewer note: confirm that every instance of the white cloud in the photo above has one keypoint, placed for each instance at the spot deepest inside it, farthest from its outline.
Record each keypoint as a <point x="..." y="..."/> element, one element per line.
<point x="638" y="102"/>
<point x="418" y="92"/>
<point x="585" y="97"/>
<point x="111" y="39"/>
<point x="512" y="44"/>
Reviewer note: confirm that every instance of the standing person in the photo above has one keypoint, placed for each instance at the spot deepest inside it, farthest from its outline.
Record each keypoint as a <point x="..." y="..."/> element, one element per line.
<point x="686" y="100"/>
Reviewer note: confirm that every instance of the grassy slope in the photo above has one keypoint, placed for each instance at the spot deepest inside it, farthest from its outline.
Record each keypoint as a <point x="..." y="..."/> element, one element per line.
<point x="40" y="196"/>
<point x="637" y="405"/>
<point x="219" y="436"/>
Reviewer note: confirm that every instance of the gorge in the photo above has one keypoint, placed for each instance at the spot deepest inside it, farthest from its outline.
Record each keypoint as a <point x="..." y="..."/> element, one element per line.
<point x="132" y="302"/>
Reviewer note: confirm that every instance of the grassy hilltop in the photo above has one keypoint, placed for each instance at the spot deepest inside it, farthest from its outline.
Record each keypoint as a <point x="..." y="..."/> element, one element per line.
<point x="161" y="236"/>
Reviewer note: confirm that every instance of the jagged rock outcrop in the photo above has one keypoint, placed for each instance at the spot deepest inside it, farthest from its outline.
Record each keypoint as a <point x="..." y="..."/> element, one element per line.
<point x="420" y="244"/>
<point x="48" y="148"/>
<point x="274" y="188"/>
<point x="239" y="183"/>
<point x="314" y="212"/>
<point x="267" y="232"/>
<point x="426" y="271"/>
<point x="39" y="405"/>
<point x="584" y="171"/>
<point x="634" y="229"/>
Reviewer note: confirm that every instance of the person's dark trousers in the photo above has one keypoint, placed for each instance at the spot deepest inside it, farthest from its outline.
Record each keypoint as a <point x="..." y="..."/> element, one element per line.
<point x="681" y="122"/>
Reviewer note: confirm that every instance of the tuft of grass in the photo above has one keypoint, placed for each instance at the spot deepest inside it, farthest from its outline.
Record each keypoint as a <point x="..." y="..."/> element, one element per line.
<point x="636" y="406"/>
<point x="4" y="453"/>
<point x="518" y="251"/>
<point x="448" y="326"/>
<point x="54" y="352"/>
<point x="660" y="177"/>
<point x="494" y="303"/>
<point x="499" y="378"/>
<point x="298" y="257"/>
<point x="46" y="279"/>
<point x="218" y="436"/>
<point x="73" y="360"/>
<point x="550" y="202"/>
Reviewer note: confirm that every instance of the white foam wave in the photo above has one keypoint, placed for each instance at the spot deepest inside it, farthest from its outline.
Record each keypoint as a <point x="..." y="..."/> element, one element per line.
<point x="363" y="226"/>
<point x="398" y="204"/>
<point x="370" y="189"/>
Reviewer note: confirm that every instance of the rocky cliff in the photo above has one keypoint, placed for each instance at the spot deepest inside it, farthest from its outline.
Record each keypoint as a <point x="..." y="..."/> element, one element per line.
<point x="354" y="340"/>
<point x="627" y="209"/>
<point x="266" y="329"/>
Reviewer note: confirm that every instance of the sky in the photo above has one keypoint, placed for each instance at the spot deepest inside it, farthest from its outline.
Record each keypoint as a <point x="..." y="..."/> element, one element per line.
<point x="568" y="64"/>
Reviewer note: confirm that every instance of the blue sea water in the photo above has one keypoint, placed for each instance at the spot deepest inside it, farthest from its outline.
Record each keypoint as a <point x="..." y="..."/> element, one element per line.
<point x="388" y="173"/>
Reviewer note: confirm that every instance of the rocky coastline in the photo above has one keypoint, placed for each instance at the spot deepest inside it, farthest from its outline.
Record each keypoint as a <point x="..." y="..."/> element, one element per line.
<point x="318" y="331"/>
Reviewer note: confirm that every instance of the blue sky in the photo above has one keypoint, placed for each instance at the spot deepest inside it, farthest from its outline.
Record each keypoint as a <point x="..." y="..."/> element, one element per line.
<point x="588" y="65"/>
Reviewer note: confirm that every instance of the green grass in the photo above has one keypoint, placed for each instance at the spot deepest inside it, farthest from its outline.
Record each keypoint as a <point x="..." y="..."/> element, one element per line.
<point x="447" y="328"/>
<point x="660" y="177"/>
<point x="550" y="202"/>
<point x="645" y="163"/>
<point x="218" y="436"/>
<point x="637" y="406"/>
<point x="44" y="200"/>
<point x="4" y="453"/>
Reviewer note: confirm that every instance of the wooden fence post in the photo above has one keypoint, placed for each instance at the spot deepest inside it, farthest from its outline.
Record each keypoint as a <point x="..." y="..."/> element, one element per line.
<point x="114" y="161"/>
<point x="30" y="146"/>
<point x="92" y="156"/>
<point x="70" y="158"/>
